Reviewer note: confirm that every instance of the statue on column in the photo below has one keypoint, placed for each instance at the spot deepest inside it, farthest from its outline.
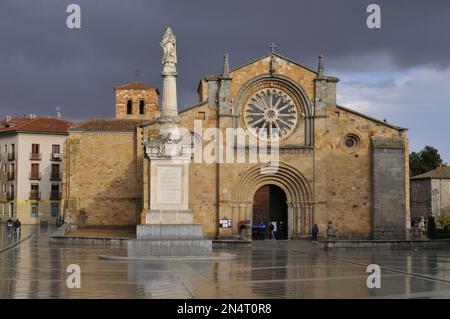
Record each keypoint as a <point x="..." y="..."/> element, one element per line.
<point x="168" y="43"/>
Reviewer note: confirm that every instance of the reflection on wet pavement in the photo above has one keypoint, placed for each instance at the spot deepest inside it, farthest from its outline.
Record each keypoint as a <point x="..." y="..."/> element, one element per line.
<point x="282" y="269"/>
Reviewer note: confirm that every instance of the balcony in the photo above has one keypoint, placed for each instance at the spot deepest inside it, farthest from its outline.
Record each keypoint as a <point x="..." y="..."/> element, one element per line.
<point x="55" y="176"/>
<point x="56" y="157"/>
<point x="10" y="176"/>
<point x="55" y="195"/>
<point x="11" y="156"/>
<point x="35" y="195"/>
<point x="35" y="156"/>
<point x="35" y="176"/>
<point x="10" y="195"/>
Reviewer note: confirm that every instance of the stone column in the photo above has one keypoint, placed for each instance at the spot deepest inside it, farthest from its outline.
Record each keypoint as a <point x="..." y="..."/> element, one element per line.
<point x="309" y="218"/>
<point x="290" y="223"/>
<point x="235" y="218"/>
<point x="242" y="211"/>
<point x="169" y="119"/>
<point x="303" y="219"/>
<point x="169" y="228"/>
<point x="249" y="214"/>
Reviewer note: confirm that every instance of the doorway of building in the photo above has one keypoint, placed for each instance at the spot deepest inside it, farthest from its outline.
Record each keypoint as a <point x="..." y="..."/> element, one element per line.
<point x="269" y="207"/>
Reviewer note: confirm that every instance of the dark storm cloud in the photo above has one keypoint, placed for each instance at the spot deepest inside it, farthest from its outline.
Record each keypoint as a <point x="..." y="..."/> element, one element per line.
<point x="43" y="64"/>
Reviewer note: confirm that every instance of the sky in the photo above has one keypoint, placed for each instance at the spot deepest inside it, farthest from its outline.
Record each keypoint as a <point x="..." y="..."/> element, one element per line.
<point x="400" y="72"/>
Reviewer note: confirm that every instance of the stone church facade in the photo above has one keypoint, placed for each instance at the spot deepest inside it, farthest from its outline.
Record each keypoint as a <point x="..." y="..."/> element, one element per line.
<point x="342" y="170"/>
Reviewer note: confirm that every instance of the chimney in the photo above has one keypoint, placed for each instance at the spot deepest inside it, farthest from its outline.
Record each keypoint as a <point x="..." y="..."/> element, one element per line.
<point x="58" y="112"/>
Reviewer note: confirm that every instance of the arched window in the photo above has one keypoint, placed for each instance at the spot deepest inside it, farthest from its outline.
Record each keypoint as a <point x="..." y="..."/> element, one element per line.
<point x="129" y="107"/>
<point x="141" y="107"/>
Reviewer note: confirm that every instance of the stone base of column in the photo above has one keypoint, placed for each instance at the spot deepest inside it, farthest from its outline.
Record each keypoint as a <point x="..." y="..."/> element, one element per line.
<point x="169" y="217"/>
<point x="174" y="240"/>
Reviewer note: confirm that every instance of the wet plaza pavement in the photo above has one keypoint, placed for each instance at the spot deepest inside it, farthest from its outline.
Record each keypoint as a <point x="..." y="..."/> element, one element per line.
<point x="278" y="269"/>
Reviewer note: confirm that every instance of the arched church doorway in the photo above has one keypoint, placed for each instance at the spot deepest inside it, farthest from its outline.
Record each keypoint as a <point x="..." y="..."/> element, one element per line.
<point x="269" y="207"/>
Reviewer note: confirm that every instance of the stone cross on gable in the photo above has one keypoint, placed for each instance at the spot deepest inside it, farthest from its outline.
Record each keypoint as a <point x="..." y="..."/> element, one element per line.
<point x="137" y="72"/>
<point x="272" y="47"/>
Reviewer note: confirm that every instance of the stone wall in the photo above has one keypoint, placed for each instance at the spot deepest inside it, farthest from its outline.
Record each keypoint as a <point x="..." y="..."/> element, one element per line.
<point x="342" y="174"/>
<point x="389" y="196"/>
<point x="420" y="198"/>
<point x="441" y="201"/>
<point x="102" y="178"/>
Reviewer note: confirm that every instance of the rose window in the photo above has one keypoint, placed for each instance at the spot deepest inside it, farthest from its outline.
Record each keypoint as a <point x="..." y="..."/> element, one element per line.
<point x="271" y="111"/>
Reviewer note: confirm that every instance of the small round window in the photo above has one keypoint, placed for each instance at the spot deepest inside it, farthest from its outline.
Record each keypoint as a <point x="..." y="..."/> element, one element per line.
<point x="351" y="142"/>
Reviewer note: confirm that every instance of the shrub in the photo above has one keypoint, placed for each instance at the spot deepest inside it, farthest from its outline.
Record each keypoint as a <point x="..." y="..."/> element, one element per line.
<point x="444" y="220"/>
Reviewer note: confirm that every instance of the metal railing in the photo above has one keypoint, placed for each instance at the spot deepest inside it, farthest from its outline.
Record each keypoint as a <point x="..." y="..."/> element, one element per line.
<point x="55" y="195"/>
<point x="35" y="156"/>
<point x="55" y="176"/>
<point x="10" y="176"/>
<point x="10" y="195"/>
<point x="56" y="157"/>
<point x="35" y="176"/>
<point x="11" y="156"/>
<point x="35" y="195"/>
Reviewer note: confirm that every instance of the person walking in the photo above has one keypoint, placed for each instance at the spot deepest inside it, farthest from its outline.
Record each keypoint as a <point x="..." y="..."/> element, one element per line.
<point x="17" y="225"/>
<point x="315" y="232"/>
<point x="272" y="231"/>
<point x="10" y="226"/>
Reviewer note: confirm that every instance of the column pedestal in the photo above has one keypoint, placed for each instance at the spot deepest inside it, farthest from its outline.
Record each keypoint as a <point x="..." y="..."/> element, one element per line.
<point x="169" y="240"/>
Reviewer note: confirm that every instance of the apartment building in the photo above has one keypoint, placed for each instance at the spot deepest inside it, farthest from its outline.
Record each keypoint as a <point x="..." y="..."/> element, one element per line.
<point x="31" y="168"/>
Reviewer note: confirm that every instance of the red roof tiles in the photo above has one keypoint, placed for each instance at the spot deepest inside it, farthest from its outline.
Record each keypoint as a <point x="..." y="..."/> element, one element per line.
<point x="38" y="124"/>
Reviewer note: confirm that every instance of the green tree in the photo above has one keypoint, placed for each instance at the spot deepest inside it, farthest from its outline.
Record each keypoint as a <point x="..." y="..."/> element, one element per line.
<point x="424" y="161"/>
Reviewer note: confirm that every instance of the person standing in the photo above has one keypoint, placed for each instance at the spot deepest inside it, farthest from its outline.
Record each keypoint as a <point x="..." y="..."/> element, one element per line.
<point x="315" y="232"/>
<point x="262" y="229"/>
<point x="10" y="227"/>
<point x="17" y="225"/>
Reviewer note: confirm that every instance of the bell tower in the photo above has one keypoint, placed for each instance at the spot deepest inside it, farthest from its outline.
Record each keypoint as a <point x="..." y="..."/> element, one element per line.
<point x="136" y="100"/>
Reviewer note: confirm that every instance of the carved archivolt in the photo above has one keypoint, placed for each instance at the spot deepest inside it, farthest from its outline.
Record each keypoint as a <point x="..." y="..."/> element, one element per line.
<point x="287" y="177"/>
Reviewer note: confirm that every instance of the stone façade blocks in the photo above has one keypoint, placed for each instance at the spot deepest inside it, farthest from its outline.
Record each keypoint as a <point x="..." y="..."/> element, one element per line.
<point x="165" y="232"/>
<point x="101" y="175"/>
<point x="169" y="240"/>
<point x="172" y="248"/>
<point x="389" y="194"/>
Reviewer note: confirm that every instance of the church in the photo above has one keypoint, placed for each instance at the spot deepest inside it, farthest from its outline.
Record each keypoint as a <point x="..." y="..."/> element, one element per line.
<point x="335" y="167"/>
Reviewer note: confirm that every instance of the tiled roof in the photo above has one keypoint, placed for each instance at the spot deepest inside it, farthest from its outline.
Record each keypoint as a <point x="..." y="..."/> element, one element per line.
<point x="111" y="125"/>
<point x="135" y="86"/>
<point x="438" y="173"/>
<point x="38" y="124"/>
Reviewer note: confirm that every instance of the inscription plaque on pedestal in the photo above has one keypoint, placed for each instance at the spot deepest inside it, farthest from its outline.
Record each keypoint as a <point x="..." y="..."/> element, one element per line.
<point x="169" y="185"/>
